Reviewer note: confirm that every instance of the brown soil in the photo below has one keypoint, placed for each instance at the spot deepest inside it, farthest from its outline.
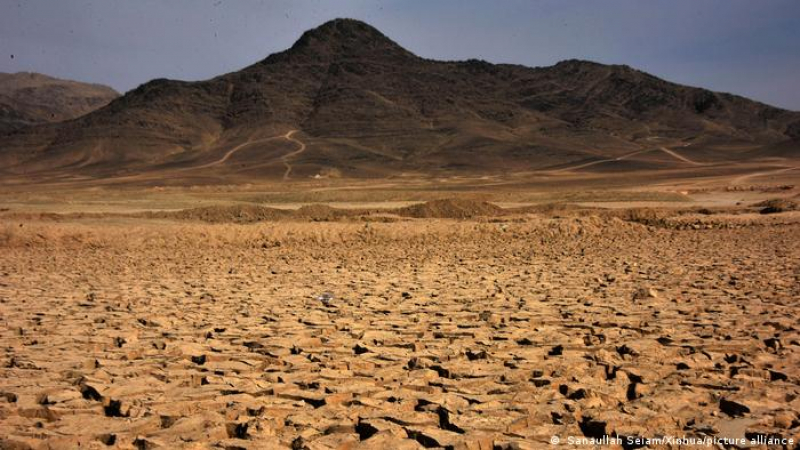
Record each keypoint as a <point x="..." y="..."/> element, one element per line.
<point x="138" y="333"/>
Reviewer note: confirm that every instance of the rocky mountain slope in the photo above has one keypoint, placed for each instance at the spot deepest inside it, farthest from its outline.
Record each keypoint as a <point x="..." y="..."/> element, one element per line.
<point x="361" y="105"/>
<point x="28" y="98"/>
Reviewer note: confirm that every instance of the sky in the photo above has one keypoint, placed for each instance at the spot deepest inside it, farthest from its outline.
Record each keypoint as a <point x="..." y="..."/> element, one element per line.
<point x="746" y="47"/>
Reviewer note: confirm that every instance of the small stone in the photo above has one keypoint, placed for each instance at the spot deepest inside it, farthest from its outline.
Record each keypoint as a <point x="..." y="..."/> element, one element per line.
<point x="645" y="293"/>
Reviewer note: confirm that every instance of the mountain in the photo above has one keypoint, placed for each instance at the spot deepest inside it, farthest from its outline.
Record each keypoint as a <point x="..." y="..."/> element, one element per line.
<point x="28" y="98"/>
<point x="347" y="100"/>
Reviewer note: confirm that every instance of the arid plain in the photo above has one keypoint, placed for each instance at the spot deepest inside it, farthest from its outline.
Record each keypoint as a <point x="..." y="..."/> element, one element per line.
<point x="487" y="316"/>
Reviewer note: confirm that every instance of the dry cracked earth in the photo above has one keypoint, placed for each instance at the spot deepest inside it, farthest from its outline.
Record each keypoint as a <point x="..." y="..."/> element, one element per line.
<point x="416" y="334"/>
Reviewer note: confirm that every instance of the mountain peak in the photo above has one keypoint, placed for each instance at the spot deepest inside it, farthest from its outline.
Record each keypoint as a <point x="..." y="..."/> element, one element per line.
<point x="364" y="106"/>
<point x="345" y="26"/>
<point x="345" y="37"/>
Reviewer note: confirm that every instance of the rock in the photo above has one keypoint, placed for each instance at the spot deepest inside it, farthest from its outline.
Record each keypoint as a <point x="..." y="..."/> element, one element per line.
<point x="367" y="428"/>
<point x="434" y="437"/>
<point x="475" y="441"/>
<point x="61" y="396"/>
<point x="204" y="427"/>
<point x="386" y="441"/>
<point x="337" y="399"/>
<point x="333" y="441"/>
<point x="645" y="293"/>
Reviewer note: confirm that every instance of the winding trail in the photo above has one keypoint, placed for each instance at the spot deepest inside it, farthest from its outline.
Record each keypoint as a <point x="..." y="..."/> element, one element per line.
<point x="593" y="163"/>
<point x="285" y="158"/>
<point x="230" y="153"/>
<point x="672" y="153"/>
<point x="678" y="156"/>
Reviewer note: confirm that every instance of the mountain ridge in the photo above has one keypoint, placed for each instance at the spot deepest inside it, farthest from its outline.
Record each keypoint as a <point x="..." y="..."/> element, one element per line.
<point x="30" y="98"/>
<point x="365" y="106"/>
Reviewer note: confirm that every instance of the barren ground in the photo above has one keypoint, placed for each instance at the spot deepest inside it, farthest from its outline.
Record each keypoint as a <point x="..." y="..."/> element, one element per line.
<point x="479" y="333"/>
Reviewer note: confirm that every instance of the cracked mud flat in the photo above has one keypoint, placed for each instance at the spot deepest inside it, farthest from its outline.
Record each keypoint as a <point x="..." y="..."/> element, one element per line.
<point x="452" y="334"/>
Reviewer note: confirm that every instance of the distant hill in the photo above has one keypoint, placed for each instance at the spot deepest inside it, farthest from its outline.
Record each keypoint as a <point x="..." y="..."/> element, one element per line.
<point x="362" y="106"/>
<point x="28" y="98"/>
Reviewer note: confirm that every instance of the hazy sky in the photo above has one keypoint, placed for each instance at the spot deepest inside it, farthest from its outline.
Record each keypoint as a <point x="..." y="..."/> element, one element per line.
<point x="747" y="47"/>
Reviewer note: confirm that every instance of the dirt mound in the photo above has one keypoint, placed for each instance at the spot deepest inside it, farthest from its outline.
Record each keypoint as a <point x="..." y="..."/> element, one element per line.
<point x="256" y="213"/>
<point x="450" y="209"/>
<point x="777" y="205"/>
<point x="320" y="212"/>
<point x="646" y="216"/>
<point x="224" y="214"/>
